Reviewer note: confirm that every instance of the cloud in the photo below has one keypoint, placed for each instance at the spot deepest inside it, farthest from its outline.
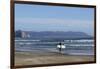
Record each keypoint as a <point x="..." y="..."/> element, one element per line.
<point x="55" y="24"/>
<point x="50" y="20"/>
<point x="54" y="21"/>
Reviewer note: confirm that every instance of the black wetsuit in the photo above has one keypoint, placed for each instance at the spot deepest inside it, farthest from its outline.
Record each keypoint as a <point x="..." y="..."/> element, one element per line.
<point x="60" y="47"/>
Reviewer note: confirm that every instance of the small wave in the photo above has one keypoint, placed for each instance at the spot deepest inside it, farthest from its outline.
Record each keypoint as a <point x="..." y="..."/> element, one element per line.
<point x="27" y="40"/>
<point x="21" y="43"/>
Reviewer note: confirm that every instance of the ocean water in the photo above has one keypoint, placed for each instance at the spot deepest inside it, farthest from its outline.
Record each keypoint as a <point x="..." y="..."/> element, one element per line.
<point x="72" y="47"/>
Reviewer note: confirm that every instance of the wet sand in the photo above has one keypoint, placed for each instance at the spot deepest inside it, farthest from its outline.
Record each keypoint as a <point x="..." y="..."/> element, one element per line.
<point x="38" y="58"/>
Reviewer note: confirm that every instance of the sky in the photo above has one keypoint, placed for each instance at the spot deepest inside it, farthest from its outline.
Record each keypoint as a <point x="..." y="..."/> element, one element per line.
<point x="54" y="18"/>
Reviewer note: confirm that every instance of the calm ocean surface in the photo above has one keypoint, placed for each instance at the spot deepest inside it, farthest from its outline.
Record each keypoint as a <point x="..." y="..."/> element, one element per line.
<point x="73" y="47"/>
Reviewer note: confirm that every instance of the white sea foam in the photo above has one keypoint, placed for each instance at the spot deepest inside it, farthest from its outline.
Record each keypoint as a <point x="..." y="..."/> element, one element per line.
<point x="74" y="48"/>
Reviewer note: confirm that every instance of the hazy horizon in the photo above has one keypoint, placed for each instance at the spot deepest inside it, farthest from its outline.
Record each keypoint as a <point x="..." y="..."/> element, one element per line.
<point x="55" y="31"/>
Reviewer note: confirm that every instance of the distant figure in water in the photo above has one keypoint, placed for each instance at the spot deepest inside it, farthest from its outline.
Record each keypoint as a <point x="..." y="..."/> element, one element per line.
<point x="60" y="47"/>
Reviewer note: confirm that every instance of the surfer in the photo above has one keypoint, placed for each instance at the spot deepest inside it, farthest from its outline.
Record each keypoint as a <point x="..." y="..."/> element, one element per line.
<point x="60" y="47"/>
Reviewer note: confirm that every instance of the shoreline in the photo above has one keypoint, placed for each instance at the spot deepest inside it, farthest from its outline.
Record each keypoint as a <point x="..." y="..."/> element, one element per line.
<point x="55" y="50"/>
<point x="38" y="58"/>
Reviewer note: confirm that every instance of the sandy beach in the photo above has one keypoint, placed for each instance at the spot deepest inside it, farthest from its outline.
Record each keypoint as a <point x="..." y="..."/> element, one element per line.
<point x="38" y="58"/>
